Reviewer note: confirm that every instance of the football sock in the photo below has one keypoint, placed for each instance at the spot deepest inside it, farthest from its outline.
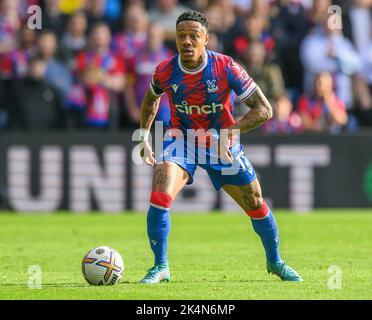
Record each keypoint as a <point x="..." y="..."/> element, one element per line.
<point x="158" y="226"/>
<point x="265" y="226"/>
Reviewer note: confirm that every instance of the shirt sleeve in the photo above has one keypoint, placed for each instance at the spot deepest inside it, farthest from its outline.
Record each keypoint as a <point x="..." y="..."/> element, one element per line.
<point x="239" y="80"/>
<point x="155" y="85"/>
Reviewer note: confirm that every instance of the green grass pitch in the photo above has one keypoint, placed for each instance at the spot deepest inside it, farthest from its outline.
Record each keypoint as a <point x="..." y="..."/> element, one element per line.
<point x="212" y="256"/>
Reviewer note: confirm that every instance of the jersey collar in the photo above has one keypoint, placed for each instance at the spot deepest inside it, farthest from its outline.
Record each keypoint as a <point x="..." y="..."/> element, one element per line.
<point x="197" y="70"/>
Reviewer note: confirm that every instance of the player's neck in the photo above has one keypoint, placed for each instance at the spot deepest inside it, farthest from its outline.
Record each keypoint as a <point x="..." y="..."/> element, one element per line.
<point x="191" y="65"/>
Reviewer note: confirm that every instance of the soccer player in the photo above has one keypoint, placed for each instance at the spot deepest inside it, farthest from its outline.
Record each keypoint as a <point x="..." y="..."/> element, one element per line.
<point x="201" y="87"/>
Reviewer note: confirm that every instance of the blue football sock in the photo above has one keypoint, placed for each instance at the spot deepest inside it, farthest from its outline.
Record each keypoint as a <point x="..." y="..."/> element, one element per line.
<point x="158" y="227"/>
<point x="268" y="231"/>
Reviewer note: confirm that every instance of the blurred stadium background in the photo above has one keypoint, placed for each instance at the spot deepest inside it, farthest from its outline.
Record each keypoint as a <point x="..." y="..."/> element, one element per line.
<point x="70" y="95"/>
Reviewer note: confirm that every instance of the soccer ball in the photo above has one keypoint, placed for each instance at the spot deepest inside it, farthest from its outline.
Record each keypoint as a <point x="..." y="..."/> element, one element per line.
<point x="102" y="266"/>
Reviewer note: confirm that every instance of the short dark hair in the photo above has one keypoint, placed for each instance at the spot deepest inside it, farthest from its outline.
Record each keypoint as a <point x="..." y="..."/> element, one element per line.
<point x="99" y="24"/>
<point x="193" y="15"/>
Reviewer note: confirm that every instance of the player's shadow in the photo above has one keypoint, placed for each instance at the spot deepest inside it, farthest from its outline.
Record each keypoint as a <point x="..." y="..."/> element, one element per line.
<point x="121" y="283"/>
<point x="48" y="285"/>
<point x="57" y="285"/>
<point x="223" y="281"/>
<point x="66" y="285"/>
<point x="76" y="285"/>
<point x="204" y="281"/>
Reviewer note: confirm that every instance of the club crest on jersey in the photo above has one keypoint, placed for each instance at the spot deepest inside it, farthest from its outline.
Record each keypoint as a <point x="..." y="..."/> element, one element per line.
<point x="212" y="86"/>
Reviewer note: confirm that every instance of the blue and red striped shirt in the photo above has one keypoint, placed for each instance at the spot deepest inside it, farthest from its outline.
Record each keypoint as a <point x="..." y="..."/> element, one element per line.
<point x="202" y="98"/>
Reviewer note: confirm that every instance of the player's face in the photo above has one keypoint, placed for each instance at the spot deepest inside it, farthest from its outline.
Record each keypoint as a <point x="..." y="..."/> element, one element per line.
<point x="191" y="39"/>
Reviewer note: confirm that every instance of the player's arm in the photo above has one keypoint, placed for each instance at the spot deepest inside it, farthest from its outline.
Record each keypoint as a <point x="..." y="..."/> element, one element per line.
<point x="149" y="109"/>
<point x="260" y="111"/>
<point x="249" y="92"/>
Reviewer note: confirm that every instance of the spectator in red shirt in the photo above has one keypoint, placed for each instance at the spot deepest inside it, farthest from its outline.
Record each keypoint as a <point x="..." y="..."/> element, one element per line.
<point x="323" y="111"/>
<point x="10" y="24"/>
<point x="101" y="74"/>
<point x="140" y="73"/>
<point x="284" y="120"/>
<point x="254" y="28"/>
<point x="133" y="37"/>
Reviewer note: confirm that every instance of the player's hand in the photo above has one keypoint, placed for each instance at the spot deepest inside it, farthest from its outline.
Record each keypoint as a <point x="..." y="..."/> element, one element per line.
<point x="224" y="152"/>
<point x="147" y="154"/>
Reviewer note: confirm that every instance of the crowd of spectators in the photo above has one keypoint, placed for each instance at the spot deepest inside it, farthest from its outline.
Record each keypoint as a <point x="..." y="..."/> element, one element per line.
<point x="92" y="60"/>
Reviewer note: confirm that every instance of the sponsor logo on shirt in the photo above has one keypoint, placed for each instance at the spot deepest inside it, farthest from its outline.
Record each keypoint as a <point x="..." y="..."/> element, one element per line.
<point x="193" y="109"/>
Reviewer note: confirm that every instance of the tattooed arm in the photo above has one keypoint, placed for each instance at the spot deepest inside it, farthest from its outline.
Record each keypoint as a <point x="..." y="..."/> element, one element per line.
<point x="260" y="112"/>
<point x="149" y="108"/>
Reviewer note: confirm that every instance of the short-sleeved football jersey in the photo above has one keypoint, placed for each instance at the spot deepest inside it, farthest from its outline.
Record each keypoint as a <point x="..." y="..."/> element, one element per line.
<point x="202" y="98"/>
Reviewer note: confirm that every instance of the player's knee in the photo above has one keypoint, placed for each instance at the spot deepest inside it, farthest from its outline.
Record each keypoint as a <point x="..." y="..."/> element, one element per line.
<point x="253" y="200"/>
<point x="258" y="208"/>
<point x="161" y="200"/>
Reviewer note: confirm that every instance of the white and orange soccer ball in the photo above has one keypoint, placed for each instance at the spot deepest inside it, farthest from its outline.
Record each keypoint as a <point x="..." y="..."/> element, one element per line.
<point x="102" y="266"/>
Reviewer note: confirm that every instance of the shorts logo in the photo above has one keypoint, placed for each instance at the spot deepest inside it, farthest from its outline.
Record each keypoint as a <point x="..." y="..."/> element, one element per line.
<point x="212" y="86"/>
<point x="205" y="109"/>
<point x="245" y="165"/>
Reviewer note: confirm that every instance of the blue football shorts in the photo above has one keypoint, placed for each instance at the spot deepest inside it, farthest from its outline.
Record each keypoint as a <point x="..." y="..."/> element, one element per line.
<point x="188" y="157"/>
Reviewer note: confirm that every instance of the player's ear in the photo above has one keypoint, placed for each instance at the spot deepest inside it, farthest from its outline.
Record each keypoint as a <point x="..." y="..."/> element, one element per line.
<point x="206" y="39"/>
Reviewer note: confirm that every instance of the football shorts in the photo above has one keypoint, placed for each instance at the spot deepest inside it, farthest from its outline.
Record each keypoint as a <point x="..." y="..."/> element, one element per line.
<point x="189" y="157"/>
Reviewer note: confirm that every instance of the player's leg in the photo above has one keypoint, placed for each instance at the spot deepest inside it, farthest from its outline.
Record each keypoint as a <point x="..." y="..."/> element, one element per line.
<point x="249" y="197"/>
<point x="168" y="180"/>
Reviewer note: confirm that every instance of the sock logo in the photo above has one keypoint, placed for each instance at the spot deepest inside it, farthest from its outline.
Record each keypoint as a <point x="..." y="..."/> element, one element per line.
<point x="154" y="242"/>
